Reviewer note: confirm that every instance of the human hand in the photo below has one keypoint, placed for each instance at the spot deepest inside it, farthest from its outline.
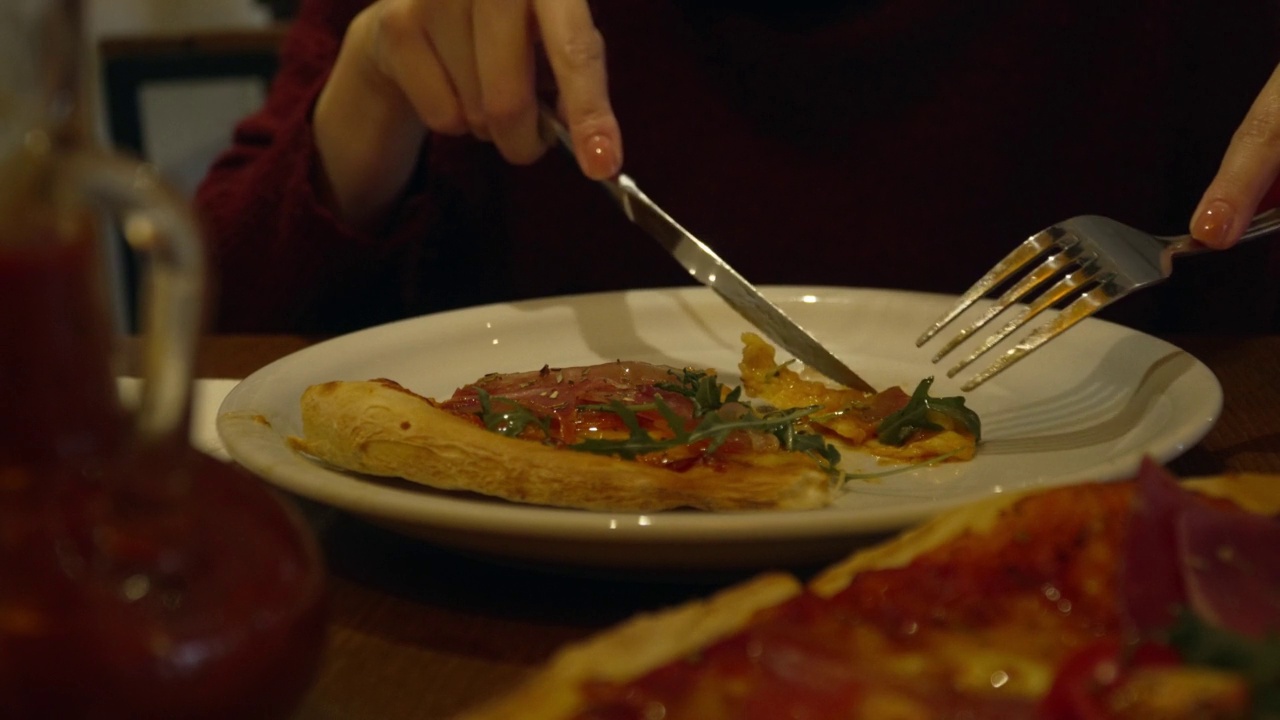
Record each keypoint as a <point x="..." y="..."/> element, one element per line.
<point x="1249" y="169"/>
<point x="409" y="67"/>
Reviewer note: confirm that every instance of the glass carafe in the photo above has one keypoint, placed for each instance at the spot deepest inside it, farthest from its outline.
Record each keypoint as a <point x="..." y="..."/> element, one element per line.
<point x="139" y="578"/>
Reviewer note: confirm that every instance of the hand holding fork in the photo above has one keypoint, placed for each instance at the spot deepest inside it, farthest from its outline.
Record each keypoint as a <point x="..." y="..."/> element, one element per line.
<point x="1088" y="262"/>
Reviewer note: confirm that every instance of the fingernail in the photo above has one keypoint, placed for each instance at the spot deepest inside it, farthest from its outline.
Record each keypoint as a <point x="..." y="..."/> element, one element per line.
<point x="600" y="158"/>
<point x="1213" y="225"/>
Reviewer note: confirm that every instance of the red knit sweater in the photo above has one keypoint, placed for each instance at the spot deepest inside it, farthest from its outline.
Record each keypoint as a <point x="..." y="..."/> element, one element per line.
<point x="890" y="143"/>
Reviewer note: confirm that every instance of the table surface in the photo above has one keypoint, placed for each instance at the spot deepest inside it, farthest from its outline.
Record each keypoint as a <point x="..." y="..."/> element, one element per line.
<point x="421" y="632"/>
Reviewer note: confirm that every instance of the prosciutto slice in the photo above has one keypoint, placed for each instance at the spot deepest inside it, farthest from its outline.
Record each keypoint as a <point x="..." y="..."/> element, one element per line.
<point x="549" y="389"/>
<point x="1231" y="569"/>
<point x="1184" y="550"/>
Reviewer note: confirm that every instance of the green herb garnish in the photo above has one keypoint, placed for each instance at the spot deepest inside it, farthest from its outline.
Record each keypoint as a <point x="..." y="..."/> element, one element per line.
<point x="512" y="419"/>
<point x="703" y="389"/>
<point x="897" y="428"/>
<point x="508" y="417"/>
<point x="1258" y="661"/>
<point x="808" y="442"/>
<point x="711" y="426"/>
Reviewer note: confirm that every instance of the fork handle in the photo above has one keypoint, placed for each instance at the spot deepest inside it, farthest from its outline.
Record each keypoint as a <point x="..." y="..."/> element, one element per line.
<point x="1264" y="223"/>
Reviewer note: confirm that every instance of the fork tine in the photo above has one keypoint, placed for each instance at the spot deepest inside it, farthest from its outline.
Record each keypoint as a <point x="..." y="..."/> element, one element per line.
<point x="1041" y="274"/>
<point x="1025" y="252"/>
<point x="1068" y="284"/>
<point x="1082" y="307"/>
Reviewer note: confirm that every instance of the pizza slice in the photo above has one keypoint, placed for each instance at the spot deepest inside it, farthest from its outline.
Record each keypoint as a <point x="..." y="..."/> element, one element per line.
<point x="1138" y="599"/>
<point x="625" y="435"/>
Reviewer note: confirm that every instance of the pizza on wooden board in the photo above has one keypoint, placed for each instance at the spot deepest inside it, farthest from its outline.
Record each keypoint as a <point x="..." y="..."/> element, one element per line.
<point x="633" y="436"/>
<point x="1146" y="598"/>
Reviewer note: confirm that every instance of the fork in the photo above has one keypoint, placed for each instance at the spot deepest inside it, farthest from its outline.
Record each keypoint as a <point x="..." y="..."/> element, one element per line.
<point x="1095" y="260"/>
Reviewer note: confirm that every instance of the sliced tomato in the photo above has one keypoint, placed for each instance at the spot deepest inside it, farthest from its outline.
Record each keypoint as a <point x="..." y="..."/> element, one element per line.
<point x="1089" y="675"/>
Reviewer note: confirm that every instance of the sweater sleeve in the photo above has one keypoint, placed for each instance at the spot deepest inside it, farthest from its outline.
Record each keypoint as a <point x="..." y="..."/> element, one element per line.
<point x="281" y="259"/>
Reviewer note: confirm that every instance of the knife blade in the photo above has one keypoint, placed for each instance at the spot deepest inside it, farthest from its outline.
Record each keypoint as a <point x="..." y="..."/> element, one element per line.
<point x="709" y="269"/>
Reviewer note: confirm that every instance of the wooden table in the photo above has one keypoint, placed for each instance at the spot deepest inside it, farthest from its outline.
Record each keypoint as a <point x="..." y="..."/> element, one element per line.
<point x="421" y="632"/>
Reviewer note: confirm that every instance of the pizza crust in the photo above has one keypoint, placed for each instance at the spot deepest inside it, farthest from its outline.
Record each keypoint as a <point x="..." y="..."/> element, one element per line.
<point x="649" y="641"/>
<point x="377" y="427"/>
<point x="636" y="646"/>
<point x="1256" y="492"/>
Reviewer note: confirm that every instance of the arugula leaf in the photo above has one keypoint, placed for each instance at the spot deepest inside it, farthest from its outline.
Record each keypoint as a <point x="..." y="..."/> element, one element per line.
<point x="898" y="427"/>
<point x="703" y="389"/>
<point x="710" y="427"/>
<point x="637" y="443"/>
<point x="1258" y="661"/>
<point x="511" y="421"/>
<point x="808" y="442"/>
<point x="824" y="452"/>
<point x="708" y="395"/>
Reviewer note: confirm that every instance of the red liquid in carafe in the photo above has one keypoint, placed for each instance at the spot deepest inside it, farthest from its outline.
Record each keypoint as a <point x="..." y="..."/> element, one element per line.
<point x="137" y="580"/>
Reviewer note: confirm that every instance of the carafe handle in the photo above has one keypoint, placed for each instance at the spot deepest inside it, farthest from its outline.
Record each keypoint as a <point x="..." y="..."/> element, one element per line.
<point x="157" y="226"/>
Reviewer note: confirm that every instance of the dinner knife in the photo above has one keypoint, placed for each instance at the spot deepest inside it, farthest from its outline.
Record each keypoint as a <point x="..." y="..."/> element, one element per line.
<point x="708" y="268"/>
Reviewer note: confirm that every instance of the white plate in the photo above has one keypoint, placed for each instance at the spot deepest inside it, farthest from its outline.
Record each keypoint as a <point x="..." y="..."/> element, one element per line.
<point x="1086" y="406"/>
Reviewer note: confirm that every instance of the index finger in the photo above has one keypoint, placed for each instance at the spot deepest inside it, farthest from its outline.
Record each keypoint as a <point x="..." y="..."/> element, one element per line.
<point x="575" y="49"/>
<point x="1249" y="168"/>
